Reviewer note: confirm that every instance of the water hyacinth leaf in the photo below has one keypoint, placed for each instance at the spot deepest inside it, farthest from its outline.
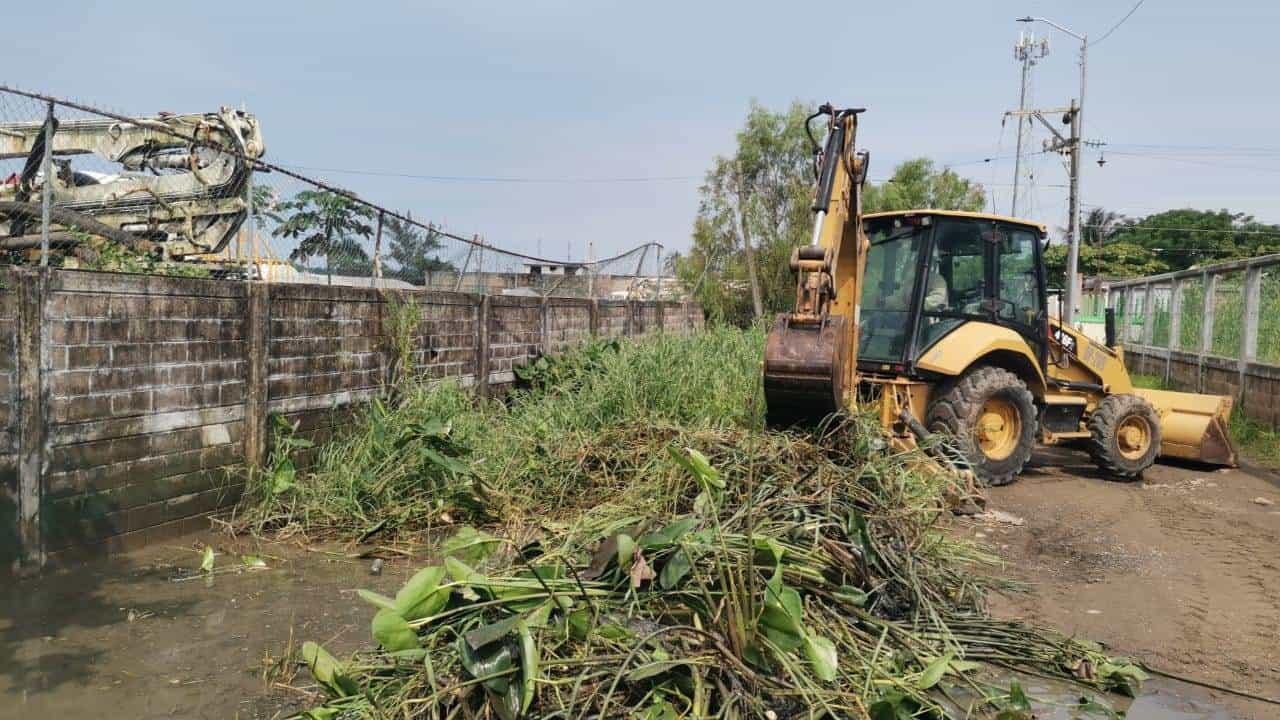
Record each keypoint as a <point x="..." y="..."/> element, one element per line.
<point x="382" y="602"/>
<point x="579" y="623"/>
<point x="698" y="466"/>
<point x="660" y="710"/>
<point x="893" y="705"/>
<point x="444" y="462"/>
<point x="676" y="567"/>
<point x="529" y="665"/>
<point x="421" y="596"/>
<point x="469" y="545"/>
<point x="653" y="669"/>
<point x="486" y="634"/>
<point x="392" y="632"/>
<point x="462" y="573"/>
<point x="328" y="671"/>
<point x="934" y="672"/>
<point x="206" y="560"/>
<point x="626" y="550"/>
<point x="768" y="551"/>
<point x="504" y="696"/>
<point x="1125" y="677"/>
<point x="668" y="535"/>
<point x="539" y="616"/>
<point x="852" y="595"/>
<point x="1017" y="698"/>
<point x="822" y="655"/>
<point x="283" y="477"/>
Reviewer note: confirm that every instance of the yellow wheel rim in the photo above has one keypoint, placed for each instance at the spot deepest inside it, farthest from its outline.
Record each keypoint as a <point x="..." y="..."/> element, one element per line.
<point x="1133" y="437"/>
<point x="999" y="428"/>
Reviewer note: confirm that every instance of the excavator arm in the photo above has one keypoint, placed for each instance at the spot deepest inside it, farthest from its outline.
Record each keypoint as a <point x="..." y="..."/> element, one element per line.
<point x="185" y="197"/>
<point x="811" y="353"/>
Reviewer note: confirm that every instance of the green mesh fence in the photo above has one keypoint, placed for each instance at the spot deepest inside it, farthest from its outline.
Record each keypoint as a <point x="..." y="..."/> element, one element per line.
<point x="1269" y="316"/>
<point x="1228" y="315"/>
<point x="1160" y="298"/>
<point x="1192" y="316"/>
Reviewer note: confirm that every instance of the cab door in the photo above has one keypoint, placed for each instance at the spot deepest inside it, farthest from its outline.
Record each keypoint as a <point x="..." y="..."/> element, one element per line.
<point x="1017" y="284"/>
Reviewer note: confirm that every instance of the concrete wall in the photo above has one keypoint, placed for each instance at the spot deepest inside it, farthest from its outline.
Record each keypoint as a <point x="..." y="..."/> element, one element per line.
<point x="129" y="404"/>
<point x="1255" y="386"/>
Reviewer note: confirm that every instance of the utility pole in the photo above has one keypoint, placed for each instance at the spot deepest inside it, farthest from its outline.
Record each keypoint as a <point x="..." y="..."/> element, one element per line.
<point x="1073" y="220"/>
<point x="1077" y="122"/>
<point x="1027" y="52"/>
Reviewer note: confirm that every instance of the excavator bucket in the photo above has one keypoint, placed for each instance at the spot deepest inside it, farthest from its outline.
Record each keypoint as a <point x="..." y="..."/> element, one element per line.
<point x="1193" y="426"/>
<point x="804" y="370"/>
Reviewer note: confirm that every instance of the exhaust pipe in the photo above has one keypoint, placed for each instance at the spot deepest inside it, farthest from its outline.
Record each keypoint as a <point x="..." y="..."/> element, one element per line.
<point x="1110" y="315"/>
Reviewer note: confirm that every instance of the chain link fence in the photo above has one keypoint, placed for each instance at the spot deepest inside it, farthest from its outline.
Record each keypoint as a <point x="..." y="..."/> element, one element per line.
<point x="82" y="187"/>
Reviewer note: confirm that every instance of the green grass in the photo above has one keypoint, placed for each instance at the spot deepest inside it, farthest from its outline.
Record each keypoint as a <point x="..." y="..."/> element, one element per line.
<point x="542" y="452"/>
<point x="626" y="539"/>
<point x="1257" y="441"/>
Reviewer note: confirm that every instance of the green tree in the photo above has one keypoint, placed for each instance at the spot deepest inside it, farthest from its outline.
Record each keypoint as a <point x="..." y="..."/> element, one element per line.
<point x="1187" y="237"/>
<point x="1113" y="260"/>
<point x="755" y="209"/>
<point x="917" y="184"/>
<point x="327" y="224"/>
<point x="414" y="250"/>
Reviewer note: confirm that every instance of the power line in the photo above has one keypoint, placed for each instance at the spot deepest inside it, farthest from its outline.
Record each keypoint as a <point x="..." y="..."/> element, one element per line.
<point x="1196" y="161"/>
<point x="497" y="179"/>
<point x="1134" y="228"/>
<point x="1127" y="15"/>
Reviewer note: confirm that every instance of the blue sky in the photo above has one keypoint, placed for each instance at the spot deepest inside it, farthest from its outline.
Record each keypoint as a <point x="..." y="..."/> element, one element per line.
<point x="562" y="91"/>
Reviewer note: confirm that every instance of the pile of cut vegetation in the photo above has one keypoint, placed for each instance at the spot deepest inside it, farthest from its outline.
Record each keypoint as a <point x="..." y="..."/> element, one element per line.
<point x="638" y="546"/>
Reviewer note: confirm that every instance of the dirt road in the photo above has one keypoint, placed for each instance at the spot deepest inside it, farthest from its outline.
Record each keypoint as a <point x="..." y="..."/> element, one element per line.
<point x="1181" y="569"/>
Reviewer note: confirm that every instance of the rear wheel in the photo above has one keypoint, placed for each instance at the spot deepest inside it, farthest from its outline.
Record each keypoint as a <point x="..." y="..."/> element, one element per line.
<point x="992" y="414"/>
<point x="1124" y="436"/>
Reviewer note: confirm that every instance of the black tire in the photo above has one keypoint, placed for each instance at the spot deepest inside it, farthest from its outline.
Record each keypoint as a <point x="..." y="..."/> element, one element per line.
<point x="959" y="409"/>
<point x="1106" y="444"/>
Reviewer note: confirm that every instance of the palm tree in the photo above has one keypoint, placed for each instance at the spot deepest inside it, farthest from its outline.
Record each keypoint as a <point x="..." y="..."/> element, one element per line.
<point x="1099" y="225"/>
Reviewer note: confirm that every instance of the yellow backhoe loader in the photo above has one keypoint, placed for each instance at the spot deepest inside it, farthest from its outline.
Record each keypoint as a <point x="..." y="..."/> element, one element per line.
<point x="940" y="320"/>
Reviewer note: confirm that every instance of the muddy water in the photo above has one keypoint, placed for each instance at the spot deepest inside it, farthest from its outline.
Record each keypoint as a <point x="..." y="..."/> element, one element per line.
<point x="144" y="636"/>
<point x="131" y="638"/>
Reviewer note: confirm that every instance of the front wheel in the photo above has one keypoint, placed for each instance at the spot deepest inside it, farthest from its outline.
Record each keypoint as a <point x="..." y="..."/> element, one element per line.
<point x="1124" y="436"/>
<point x="992" y="414"/>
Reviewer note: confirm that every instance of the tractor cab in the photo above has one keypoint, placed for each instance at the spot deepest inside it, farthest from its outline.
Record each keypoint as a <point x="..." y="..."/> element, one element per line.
<point x="930" y="272"/>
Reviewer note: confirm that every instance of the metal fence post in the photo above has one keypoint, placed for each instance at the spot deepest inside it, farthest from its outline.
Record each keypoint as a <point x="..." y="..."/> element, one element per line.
<point x="1175" y="326"/>
<point x="1210" y="283"/>
<point x="252" y="260"/>
<point x="46" y="199"/>
<point x="377" y="253"/>
<point x="1148" y="324"/>
<point x="1249" y="343"/>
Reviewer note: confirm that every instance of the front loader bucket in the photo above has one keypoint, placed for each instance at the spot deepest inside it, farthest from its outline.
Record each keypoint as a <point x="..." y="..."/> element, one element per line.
<point x="804" y="370"/>
<point x="1193" y="426"/>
